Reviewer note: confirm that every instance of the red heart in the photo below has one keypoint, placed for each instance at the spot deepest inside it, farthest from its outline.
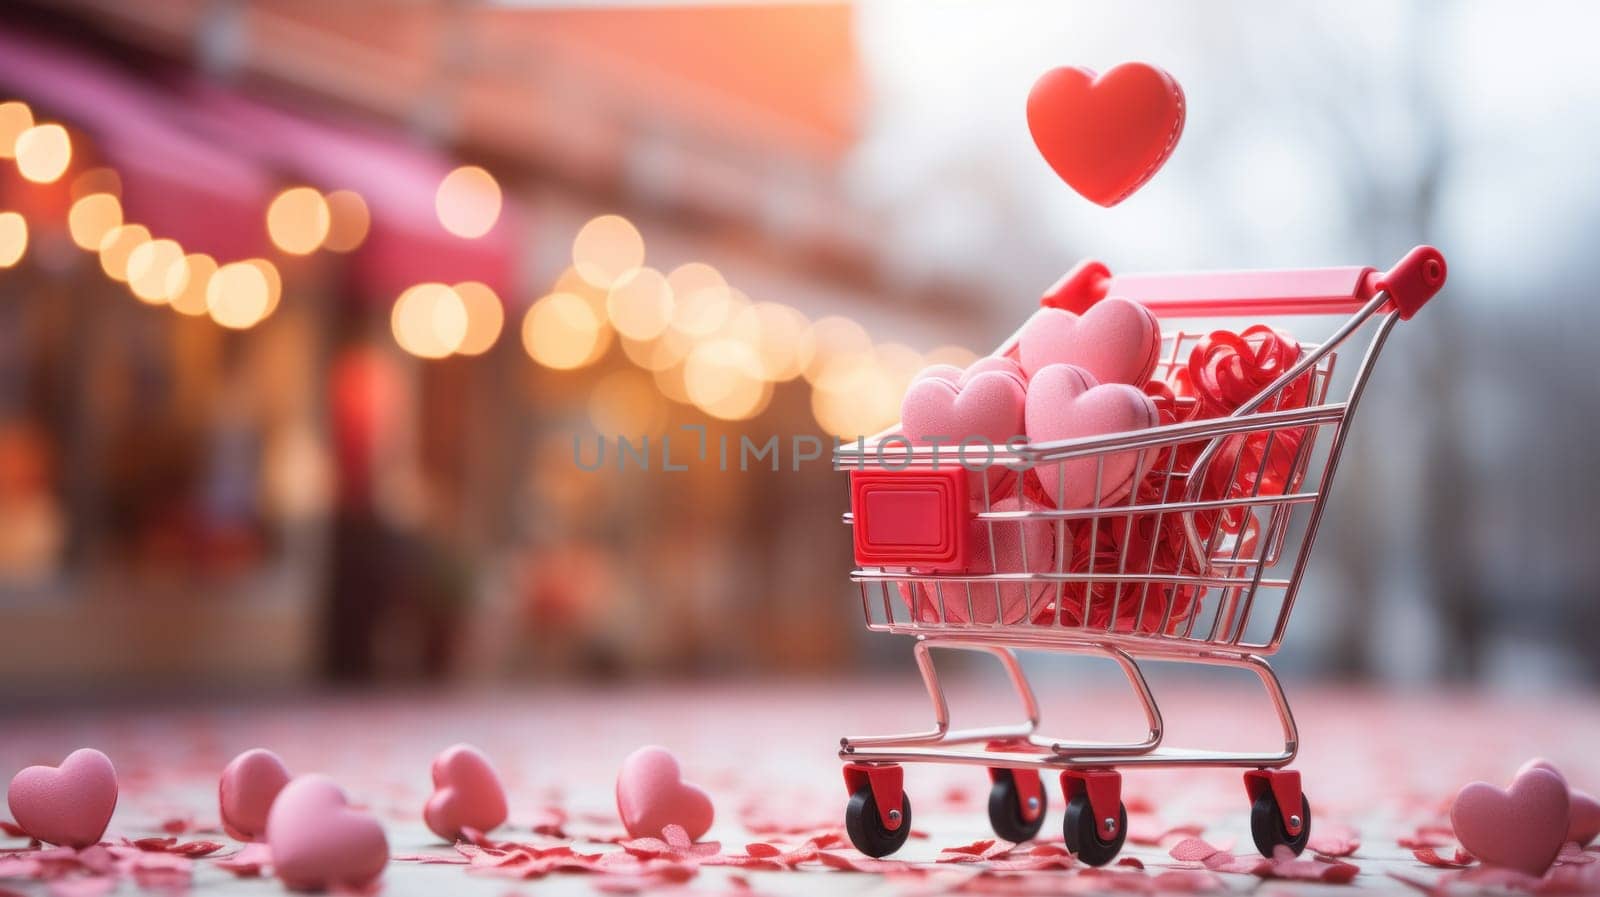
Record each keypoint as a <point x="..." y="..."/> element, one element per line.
<point x="1521" y="828"/>
<point x="69" y="805"/>
<point x="467" y="793"/>
<point x="1105" y="136"/>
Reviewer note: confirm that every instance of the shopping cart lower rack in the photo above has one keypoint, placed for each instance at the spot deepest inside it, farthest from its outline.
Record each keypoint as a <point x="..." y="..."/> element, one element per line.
<point x="912" y="510"/>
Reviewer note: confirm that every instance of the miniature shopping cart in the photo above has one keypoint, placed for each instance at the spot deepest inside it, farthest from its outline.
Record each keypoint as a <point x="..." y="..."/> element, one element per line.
<point x="916" y="512"/>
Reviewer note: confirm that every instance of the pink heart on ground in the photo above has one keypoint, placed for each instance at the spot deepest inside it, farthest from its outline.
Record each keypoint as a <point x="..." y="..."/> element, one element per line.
<point x="1012" y="542"/>
<point x="1584" y="822"/>
<point x="318" y="841"/>
<point x="651" y="795"/>
<point x="1066" y="402"/>
<point x="1521" y="828"/>
<point x="1117" y="341"/>
<point x="68" y="805"/>
<point x="466" y="793"/>
<point x="245" y="793"/>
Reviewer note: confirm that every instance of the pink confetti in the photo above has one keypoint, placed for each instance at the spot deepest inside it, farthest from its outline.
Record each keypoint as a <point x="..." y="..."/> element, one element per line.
<point x="1429" y="836"/>
<point x="249" y="862"/>
<point x="1149" y="830"/>
<point x="11" y="829"/>
<point x="1283" y="865"/>
<point x="1333" y="840"/>
<point x="1430" y="856"/>
<point x="83" y="886"/>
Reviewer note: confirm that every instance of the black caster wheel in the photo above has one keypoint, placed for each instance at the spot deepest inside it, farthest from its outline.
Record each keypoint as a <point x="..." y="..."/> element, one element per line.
<point x="865" y="826"/>
<point x="1083" y="832"/>
<point x="1267" y="827"/>
<point x="1005" y="810"/>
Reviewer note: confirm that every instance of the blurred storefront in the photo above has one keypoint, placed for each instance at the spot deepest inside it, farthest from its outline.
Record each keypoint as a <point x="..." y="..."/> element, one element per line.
<point x="296" y="493"/>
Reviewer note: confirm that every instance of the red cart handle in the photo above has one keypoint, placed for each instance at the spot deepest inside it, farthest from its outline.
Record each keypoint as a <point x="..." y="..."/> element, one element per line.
<point x="1410" y="283"/>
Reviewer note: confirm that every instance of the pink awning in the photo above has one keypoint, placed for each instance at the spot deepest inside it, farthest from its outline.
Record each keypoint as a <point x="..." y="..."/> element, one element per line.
<point x="200" y="164"/>
<point x="174" y="183"/>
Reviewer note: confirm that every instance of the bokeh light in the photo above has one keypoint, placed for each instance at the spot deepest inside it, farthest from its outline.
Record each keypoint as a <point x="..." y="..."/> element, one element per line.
<point x="117" y="244"/>
<point x="298" y="220"/>
<point x="91" y="218"/>
<point x="468" y="202"/>
<point x="13" y="238"/>
<point x="606" y="250"/>
<point x="782" y="338"/>
<point x="702" y="300"/>
<point x="958" y="356"/>
<point x="486" y="317"/>
<point x="835" y="339"/>
<point x="274" y="281"/>
<point x="640" y="304"/>
<point x="562" y="331"/>
<point x="15" y="117"/>
<point x="659" y="354"/>
<point x="669" y="380"/>
<point x="348" y="221"/>
<point x="723" y="378"/>
<point x="187" y="283"/>
<point x="429" y="320"/>
<point x="43" y="153"/>
<point x="856" y="396"/>
<point x="148" y="267"/>
<point x="237" y="296"/>
<point x="626" y="402"/>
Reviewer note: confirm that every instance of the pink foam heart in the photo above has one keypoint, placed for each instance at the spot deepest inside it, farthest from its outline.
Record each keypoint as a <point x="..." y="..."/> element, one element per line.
<point x="999" y="363"/>
<point x="318" y="841"/>
<point x="1066" y="402"/>
<point x="1117" y="341"/>
<point x="466" y="793"/>
<point x="986" y="406"/>
<point x="1025" y="546"/>
<point x="245" y="793"/>
<point x="651" y="795"/>
<point x="1584" y="816"/>
<point x="68" y="805"/>
<point x="1521" y="828"/>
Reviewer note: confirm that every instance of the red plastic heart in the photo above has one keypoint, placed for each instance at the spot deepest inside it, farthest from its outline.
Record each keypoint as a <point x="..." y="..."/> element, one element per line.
<point x="1107" y="135"/>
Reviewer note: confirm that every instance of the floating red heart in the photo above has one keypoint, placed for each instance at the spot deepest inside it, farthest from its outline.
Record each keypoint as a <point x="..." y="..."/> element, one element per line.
<point x="1105" y="136"/>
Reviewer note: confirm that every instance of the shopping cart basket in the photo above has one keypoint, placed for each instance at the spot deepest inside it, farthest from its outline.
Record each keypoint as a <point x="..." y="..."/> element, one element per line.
<point x="1211" y="601"/>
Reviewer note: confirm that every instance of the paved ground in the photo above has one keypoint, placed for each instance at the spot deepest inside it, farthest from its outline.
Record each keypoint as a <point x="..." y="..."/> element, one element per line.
<point x="1377" y="766"/>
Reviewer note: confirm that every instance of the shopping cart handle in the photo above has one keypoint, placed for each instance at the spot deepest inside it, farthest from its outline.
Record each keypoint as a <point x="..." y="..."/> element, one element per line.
<point x="1307" y="291"/>
<point x="1412" y="281"/>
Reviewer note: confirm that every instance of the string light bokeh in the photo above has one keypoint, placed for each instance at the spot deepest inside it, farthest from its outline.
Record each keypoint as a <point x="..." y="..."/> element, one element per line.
<point x="689" y="334"/>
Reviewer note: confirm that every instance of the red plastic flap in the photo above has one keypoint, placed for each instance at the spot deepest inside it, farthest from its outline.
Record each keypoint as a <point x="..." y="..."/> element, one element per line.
<point x="910" y="518"/>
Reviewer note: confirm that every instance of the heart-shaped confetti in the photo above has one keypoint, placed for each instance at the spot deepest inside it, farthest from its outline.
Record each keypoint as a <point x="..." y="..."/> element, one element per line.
<point x="70" y="804"/>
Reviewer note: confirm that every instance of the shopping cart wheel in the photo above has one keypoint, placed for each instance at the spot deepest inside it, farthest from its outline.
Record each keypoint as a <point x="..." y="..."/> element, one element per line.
<point x="1083" y="832"/>
<point x="1006" y="811"/>
<point x="1268" y="829"/>
<point x="865" y="826"/>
